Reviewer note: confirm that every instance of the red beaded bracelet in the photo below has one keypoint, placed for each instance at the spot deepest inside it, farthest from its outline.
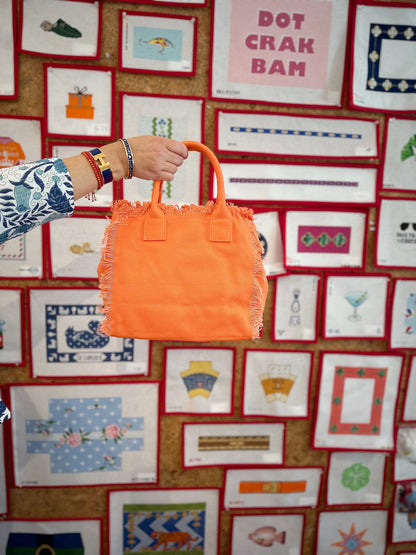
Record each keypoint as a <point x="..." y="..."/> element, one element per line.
<point x="93" y="164"/>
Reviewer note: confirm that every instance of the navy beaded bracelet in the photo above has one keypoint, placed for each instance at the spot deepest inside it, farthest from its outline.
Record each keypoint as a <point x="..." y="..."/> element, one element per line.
<point x="130" y="158"/>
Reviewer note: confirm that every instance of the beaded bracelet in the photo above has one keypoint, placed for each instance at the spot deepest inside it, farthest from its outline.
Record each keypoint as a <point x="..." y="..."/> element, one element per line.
<point x="97" y="173"/>
<point x="130" y="158"/>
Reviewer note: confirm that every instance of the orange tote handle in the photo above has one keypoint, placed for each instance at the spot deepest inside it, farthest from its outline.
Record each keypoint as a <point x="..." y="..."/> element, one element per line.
<point x="221" y="220"/>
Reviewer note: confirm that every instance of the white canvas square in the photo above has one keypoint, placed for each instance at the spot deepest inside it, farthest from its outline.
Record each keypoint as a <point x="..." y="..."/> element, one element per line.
<point x="361" y="422"/>
<point x="44" y="19"/>
<point x="355" y="306"/>
<point x="277" y="488"/>
<point x="383" y="73"/>
<point x="403" y="315"/>
<point x="399" y="155"/>
<point x="7" y="51"/>
<point x="355" y="478"/>
<point x="405" y="456"/>
<point x="276" y="383"/>
<point x="66" y="340"/>
<point x="66" y="84"/>
<point x="22" y="256"/>
<point x="396" y="233"/>
<point x="89" y="434"/>
<point x="403" y="517"/>
<point x="26" y="133"/>
<point x="409" y="407"/>
<point x="270" y="236"/>
<point x="365" y="529"/>
<point x="11" y="324"/>
<point x="252" y="533"/>
<point x="75" y="247"/>
<point x="295" y="309"/>
<point x="199" y="381"/>
<point x="174" y="118"/>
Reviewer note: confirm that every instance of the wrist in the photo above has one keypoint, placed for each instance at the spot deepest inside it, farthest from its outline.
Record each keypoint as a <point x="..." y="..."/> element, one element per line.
<point x="116" y="156"/>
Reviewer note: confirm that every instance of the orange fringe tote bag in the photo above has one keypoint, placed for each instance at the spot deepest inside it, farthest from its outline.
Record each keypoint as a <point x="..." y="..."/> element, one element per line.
<point x="189" y="273"/>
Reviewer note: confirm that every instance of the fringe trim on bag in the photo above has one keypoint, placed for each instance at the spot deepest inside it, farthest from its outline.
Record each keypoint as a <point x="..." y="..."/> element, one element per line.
<point x="105" y="274"/>
<point x="260" y="285"/>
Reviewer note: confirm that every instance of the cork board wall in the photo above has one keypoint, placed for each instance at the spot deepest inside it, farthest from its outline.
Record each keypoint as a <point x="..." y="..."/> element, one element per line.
<point x="90" y="502"/>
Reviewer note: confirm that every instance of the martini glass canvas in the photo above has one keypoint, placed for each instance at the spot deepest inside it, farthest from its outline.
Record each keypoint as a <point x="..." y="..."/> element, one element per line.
<point x="356" y="299"/>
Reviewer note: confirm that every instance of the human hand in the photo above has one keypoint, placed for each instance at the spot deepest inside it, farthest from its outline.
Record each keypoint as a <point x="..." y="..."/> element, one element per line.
<point x="157" y="158"/>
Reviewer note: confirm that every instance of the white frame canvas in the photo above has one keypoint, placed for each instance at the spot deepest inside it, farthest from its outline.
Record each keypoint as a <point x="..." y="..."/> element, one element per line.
<point x="22" y="256"/>
<point x="405" y="454"/>
<point x="344" y="294"/>
<point x="161" y="506"/>
<point x="40" y="17"/>
<point x="409" y="406"/>
<point x="194" y="388"/>
<point x="248" y="181"/>
<point x="57" y="352"/>
<point x="8" y="57"/>
<point x="402" y="315"/>
<point x="269" y="231"/>
<point x="233" y="444"/>
<point x="355" y="478"/>
<point x="64" y="83"/>
<point x="365" y="387"/>
<point x="395" y="243"/>
<point x="403" y="528"/>
<point x="174" y="117"/>
<point x="345" y="248"/>
<point x="52" y="425"/>
<point x="138" y="50"/>
<point x="75" y="247"/>
<point x="272" y="488"/>
<point x="276" y="383"/>
<point x="295" y="311"/>
<point x="382" y="70"/>
<point x="11" y="326"/>
<point x="244" y="70"/>
<point x="337" y="530"/>
<point x="250" y="534"/>
<point x="399" y="155"/>
<point x="275" y="134"/>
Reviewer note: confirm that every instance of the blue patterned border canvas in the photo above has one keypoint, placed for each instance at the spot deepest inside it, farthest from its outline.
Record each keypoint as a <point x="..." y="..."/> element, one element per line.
<point x="378" y="33"/>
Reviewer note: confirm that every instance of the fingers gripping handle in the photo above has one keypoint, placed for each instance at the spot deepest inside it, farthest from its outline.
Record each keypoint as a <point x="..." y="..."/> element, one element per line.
<point x="221" y="220"/>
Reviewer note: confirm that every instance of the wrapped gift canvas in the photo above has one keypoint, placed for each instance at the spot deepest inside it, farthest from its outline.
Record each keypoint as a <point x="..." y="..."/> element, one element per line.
<point x="270" y="235"/>
<point x="399" y="155"/>
<point x="174" y="117"/>
<point x="61" y="28"/>
<point x="79" y="101"/>
<point x="157" y="43"/>
<point x="283" y="532"/>
<point x="85" y="434"/>
<point x="383" y="74"/>
<point x="22" y="257"/>
<point x="405" y="455"/>
<point x="356" y="306"/>
<point x="73" y="536"/>
<point x="355" y="478"/>
<point x="164" y="521"/>
<point x="352" y="532"/>
<point x="105" y="197"/>
<point x="272" y="488"/>
<point x="276" y="133"/>
<point x="396" y="233"/>
<point x="232" y="444"/>
<point x="283" y="182"/>
<point x="11" y="326"/>
<point x="75" y="247"/>
<point x="325" y="239"/>
<point x="295" y="312"/>
<point x="276" y="54"/>
<point x="403" y="525"/>
<point x="199" y="380"/>
<point x="8" y="56"/>
<point x="276" y="383"/>
<point x="409" y="406"/>
<point x="403" y="314"/>
<point x="357" y="401"/>
<point x="66" y="340"/>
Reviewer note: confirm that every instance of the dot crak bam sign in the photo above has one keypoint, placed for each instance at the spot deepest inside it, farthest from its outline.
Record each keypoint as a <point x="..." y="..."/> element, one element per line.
<point x="280" y="42"/>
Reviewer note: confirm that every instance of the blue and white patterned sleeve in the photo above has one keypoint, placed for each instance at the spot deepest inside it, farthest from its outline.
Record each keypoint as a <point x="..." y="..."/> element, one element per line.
<point x="33" y="194"/>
